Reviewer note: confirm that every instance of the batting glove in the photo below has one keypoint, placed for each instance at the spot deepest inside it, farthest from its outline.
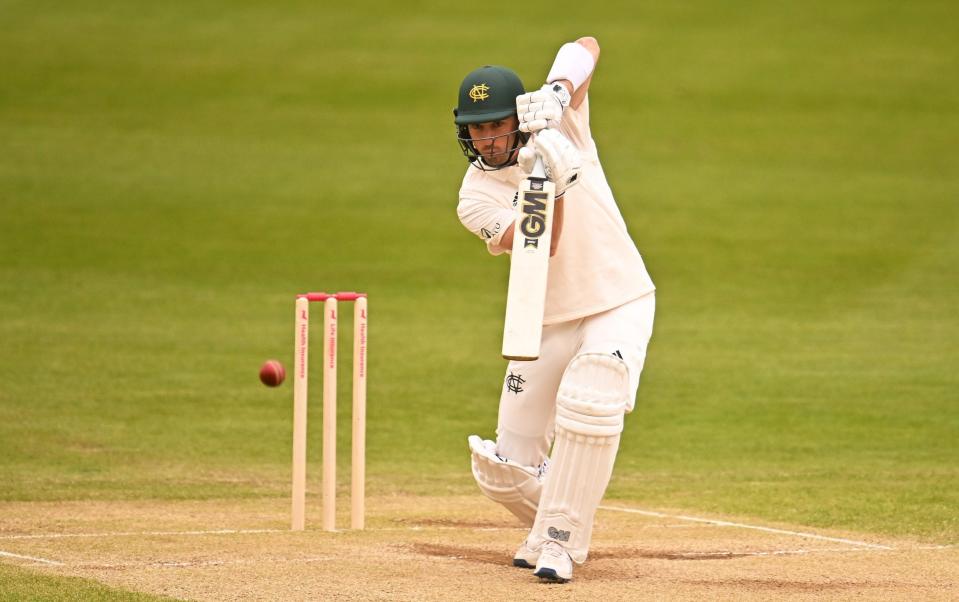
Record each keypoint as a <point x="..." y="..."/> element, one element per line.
<point x="560" y="158"/>
<point x="543" y="108"/>
<point x="526" y="159"/>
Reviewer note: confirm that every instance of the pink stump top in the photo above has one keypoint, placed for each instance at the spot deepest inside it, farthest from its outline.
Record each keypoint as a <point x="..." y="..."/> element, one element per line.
<point x="343" y="296"/>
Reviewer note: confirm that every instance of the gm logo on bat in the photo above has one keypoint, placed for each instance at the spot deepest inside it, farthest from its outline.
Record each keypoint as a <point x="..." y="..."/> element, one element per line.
<point x="534" y="222"/>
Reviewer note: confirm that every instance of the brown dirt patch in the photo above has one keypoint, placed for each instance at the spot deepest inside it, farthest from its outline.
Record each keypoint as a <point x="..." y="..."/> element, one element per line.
<point x="479" y="555"/>
<point x="450" y="548"/>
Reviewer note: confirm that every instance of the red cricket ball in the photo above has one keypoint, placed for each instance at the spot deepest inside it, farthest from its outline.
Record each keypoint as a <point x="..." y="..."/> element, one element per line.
<point x="272" y="373"/>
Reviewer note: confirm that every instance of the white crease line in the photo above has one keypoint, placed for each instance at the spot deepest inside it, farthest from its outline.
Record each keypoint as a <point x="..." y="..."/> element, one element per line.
<point x="238" y="532"/>
<point x="142" y="533"/>
<point x="33" y="558"/>
<point x="723" y="523"/>
<point x="724" y="554"/>
<point x="860" y="544"/>
<point x="198" y="563"/>
<point x="734" y="554"/>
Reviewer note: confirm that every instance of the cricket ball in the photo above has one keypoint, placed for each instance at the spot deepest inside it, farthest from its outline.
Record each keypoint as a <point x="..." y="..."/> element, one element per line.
<point x="272" y="373"/>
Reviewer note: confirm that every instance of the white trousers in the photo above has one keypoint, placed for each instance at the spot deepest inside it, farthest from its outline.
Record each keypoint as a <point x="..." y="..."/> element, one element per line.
<point x="527" y="406"/>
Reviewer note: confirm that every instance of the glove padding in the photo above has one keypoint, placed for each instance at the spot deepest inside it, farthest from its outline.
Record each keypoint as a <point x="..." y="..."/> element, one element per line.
<point x="560" y="158"/>
<point x="542" y="109"/>
<point x="526" y="159"/>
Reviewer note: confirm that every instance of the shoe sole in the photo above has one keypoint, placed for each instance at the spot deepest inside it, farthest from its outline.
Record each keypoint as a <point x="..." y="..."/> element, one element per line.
<point x="519" y="562"/>
<point x="549" y="575"/>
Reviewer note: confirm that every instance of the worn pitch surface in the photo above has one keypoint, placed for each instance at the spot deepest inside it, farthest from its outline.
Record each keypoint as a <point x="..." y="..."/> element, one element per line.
<point x="453" y="548"/>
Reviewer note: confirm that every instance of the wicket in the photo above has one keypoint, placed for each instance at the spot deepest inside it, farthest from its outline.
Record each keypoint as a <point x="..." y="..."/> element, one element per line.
<point x="301" y="359"/>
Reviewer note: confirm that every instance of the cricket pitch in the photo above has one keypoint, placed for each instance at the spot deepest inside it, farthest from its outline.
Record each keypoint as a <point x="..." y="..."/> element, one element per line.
<point x="454" y="548"/>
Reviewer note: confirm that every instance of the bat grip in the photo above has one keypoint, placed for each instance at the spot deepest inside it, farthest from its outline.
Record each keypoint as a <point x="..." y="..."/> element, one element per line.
<point x="539" y="169"/>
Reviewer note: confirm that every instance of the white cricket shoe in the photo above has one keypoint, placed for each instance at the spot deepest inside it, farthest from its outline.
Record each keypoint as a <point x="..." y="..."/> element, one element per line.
<point x="525" y="558"/>
<point x="554" y="563"/>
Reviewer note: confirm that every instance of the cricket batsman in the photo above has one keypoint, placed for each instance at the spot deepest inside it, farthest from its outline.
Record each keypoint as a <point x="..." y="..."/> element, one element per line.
<point x="598" y="315"/>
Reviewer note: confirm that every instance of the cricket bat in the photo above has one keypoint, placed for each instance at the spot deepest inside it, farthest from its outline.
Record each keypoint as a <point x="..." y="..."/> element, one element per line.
<point x="529" y="265"/>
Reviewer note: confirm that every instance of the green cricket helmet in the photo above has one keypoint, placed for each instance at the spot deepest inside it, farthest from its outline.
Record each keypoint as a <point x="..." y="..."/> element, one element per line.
<point x="487" y="94"/>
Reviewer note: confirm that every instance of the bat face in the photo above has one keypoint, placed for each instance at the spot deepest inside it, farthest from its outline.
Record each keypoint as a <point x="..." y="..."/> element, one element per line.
<point x="529" y="266"/>
<point x="532" y="224"/>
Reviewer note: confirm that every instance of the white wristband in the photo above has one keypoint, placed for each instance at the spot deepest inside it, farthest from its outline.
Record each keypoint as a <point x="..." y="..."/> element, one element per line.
<point x="573" y="63"/>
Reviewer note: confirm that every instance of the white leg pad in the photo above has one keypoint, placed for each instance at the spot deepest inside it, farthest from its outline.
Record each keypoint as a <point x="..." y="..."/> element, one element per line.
<point x="506" y="482"/>
<point x="592" y="401"/>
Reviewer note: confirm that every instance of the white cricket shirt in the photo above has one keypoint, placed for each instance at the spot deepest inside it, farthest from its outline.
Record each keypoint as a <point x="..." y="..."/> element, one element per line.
<point x="597" y="266"/>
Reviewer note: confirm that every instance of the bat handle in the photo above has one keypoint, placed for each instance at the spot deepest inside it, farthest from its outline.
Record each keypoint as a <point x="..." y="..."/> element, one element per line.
<point x="539" y="169"/>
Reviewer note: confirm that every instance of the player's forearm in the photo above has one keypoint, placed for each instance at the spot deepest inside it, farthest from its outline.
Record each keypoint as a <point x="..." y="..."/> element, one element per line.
<point x="557" y="226"/>
<point x="506" y="242"/>
<point x="573" y="68"/>
<point x="566" y="86"/>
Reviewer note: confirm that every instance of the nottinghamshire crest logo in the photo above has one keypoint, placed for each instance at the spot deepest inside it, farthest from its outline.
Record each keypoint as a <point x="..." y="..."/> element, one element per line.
<point x="514" y="383"/>
<point x="479" y="92"/>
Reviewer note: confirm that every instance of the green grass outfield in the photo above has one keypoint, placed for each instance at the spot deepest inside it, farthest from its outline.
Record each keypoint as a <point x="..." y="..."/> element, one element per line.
<point x="172" y="173"/>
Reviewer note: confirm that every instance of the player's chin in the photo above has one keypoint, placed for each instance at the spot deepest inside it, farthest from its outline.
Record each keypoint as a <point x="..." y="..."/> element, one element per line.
<point x="496" y="160"/>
